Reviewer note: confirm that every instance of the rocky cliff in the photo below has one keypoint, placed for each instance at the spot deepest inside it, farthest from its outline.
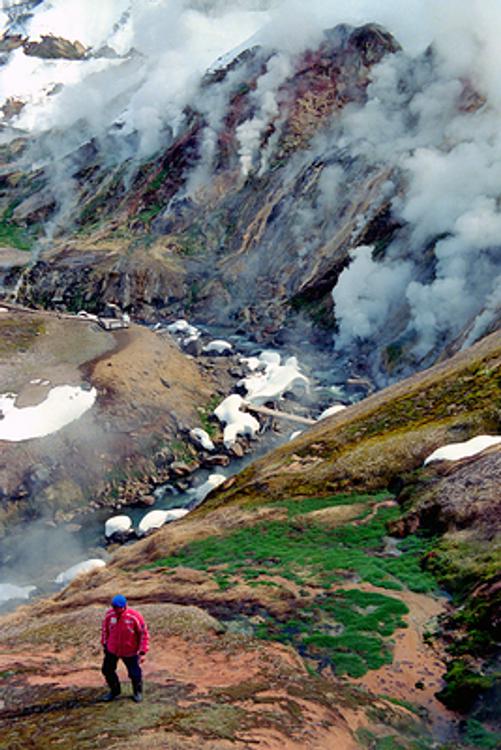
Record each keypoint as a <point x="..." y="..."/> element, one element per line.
<point x="252" y="214"/>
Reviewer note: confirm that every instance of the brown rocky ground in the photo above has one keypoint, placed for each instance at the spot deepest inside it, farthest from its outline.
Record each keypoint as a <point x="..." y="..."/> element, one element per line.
<point x="203" y="689"/>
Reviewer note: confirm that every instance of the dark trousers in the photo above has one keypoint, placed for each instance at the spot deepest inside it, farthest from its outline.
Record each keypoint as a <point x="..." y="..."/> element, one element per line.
<point x="109" y="670"/>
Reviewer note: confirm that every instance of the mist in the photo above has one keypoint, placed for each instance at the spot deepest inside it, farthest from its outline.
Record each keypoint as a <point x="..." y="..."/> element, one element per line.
<point x="432" y="114"/>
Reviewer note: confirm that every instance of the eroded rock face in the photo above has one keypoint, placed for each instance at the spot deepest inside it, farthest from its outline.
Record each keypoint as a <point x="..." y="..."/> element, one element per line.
<point x="86" y="278"/>
<point x="246" y="235"/>
<point x="464" y="495"/>
<point x="235" y="249"/>
<point x="55" y="48"/>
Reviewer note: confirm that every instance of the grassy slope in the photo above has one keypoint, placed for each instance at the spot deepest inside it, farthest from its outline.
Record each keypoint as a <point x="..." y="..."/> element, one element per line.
<point x="284" y="556"/>
<point x="368" y="445"/>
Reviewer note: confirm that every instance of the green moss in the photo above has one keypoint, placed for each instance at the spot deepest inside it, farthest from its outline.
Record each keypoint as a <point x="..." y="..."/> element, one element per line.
<point x="160" y="178"/>
<point x="347" y="629"/>
<point x="310" y="504"/>
<point x="371" y="741"/>
<point x="12" y="235"/>
<point x="418" y="710"/>
<point x="463" y="686"/>
<point x="192" y="242"/>
<point x="364" y="621"/>
<point x="147" y="215"/>
<point x="477" y="736"/>
<point x="474" y="388"/>
<point x="310" y="552"/>
<point x="206" y="413"/>
<point x="182" y="451"/>
<point x="460" y="564"/>
<point x="221" y="721"/>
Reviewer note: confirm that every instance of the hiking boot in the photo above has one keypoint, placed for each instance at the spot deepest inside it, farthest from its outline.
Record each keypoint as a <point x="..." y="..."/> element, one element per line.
<point x="137" y="696"/>
<point x="110" y="697"/>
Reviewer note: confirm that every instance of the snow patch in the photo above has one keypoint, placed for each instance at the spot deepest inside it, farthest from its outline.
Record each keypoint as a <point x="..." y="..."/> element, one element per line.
<point x="213" y="481"/>
<point x="63" y="405"/>
<point x="331" y="410"/>
<point x="157" y="518"/>
<point x="218" y="346"/>
<point x="80" y="568"/>
<point x="237" y="422"/>
<point x="275" y="380"/>
<point x="117" y="525"/>
<point x="202" y="438"/>
<point x="456" y="451"/>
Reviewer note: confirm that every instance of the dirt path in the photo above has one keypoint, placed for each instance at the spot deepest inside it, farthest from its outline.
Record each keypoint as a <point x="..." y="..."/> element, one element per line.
<point x="415" y="674"/>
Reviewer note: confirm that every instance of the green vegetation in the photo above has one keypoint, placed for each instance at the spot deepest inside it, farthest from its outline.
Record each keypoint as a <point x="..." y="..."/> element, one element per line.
<point x="147" y="215"/>
<point x="206" y="412"/>
<point x="472" y="389"/>
<point x="12" y="235"/>
<point x="345" y="628"/>
<point x="182" y="451"/>
<point x="363" y="619"/>
<point x="308" y="552"/>
<point x="477" y="736"/>
<point x="159" y="180"/>
<point x="463" y="686"/>
<point x="191" y="242"/>
<point x="460" y="564"/>
<point x="319" y="310"/>
<point x="371" y="741"/>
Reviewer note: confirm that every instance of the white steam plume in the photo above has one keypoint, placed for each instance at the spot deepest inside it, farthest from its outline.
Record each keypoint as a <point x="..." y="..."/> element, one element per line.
<point x="420" y="117"/>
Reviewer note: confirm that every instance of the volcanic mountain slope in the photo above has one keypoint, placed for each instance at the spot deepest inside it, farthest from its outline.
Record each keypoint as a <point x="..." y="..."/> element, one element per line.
<point x="300" y="607"/>
<point x="273" y="186"/>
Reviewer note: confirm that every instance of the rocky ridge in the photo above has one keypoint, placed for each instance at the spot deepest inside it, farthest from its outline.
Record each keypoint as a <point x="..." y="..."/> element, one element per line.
<point x="237" y="247"/>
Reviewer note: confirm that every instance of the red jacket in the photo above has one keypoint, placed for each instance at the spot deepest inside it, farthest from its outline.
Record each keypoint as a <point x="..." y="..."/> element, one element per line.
<point x="126" y="634"/>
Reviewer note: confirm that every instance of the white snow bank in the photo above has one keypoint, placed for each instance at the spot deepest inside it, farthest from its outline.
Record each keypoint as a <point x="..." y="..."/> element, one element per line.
<point x="157" y="518"/>
<point x="213" y="481"/>
<point x="117" y="525"/>
<point x="183" y="327"/>
<point x="218" y="346"/>
<point x="202" y="438"/>
<point x="252" y="363"/>
<point x="331" y="410"/>
<point x="237" y="422"/>
<point x="455" y="451"/>
<point x="275" y="380"/>
<point x="64" y="404"/>
<point x="82" y="567"/>
<point x="10" y="591"/>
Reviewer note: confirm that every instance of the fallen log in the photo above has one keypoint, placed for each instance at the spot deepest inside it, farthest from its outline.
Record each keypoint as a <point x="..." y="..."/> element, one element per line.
<point x="278" y="414"/>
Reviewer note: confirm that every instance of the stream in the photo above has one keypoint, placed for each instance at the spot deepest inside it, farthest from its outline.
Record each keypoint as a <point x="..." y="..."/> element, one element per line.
<point x="34" y="554"/>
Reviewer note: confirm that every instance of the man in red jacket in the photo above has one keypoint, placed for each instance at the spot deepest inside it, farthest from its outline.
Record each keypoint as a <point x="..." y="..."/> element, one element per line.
<point x="124" y="635"/>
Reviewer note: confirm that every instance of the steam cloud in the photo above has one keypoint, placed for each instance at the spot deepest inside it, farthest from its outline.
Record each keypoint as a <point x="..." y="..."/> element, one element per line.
<point x="420" y="117"/>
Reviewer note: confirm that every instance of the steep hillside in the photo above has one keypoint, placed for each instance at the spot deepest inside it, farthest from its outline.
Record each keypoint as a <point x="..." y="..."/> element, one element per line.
<point x="272" y="200"/>
<point x="300" y="614"/>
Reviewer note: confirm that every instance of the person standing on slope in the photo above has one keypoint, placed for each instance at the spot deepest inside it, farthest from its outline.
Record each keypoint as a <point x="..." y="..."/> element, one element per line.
<point x="124" y="635"/>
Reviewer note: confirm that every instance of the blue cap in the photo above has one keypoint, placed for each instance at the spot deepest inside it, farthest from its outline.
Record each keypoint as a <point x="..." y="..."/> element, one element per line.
<point x="119" y="601"/>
